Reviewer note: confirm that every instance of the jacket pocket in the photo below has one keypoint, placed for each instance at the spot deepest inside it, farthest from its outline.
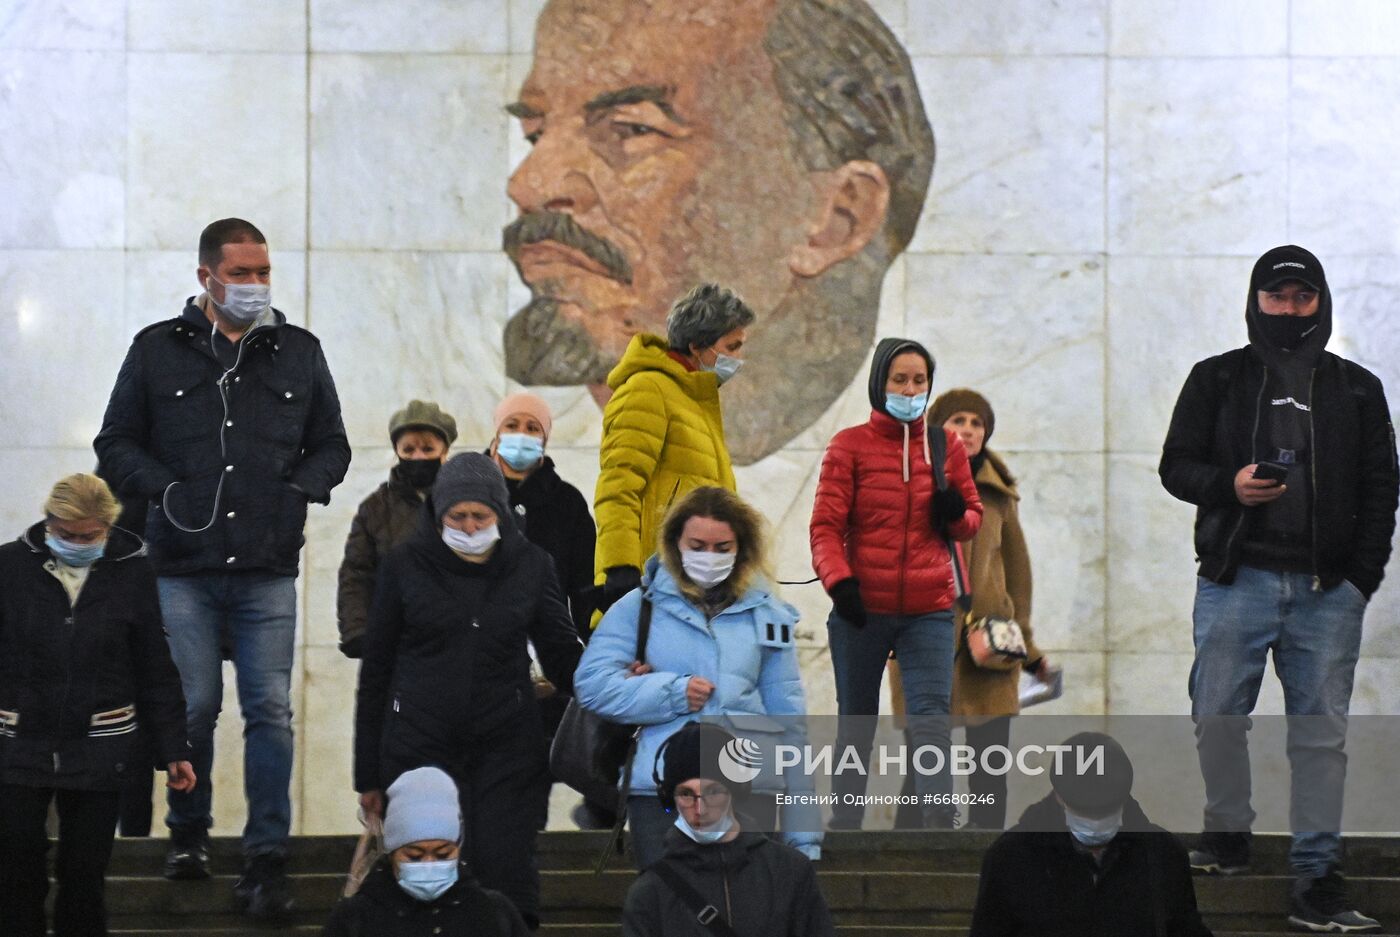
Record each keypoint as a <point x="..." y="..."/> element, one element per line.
<point x="185" y="406"/>
<point x="283" y="403"/>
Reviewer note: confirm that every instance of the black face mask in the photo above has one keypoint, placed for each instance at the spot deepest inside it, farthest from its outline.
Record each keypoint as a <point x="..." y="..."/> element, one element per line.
<point x="420" y="473"/>
<point x="1286" y="332"/>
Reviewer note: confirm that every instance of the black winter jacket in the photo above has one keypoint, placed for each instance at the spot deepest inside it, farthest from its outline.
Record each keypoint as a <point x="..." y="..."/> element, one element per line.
<point x="555" y="516"/>
<point x="445" y="662"/>
<point x="1039" y="884"/>
<point x="382" y="909"/>
<point x="283" y="443"/>
<point x="761" y="887"/>
<point x="1355" y="483"/>
<point x="384" y="520"/>
<point x="76" y="680"/>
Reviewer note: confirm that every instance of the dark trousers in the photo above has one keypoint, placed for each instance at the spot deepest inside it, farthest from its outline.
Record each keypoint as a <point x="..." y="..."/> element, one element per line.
<point x="87" y="824"/>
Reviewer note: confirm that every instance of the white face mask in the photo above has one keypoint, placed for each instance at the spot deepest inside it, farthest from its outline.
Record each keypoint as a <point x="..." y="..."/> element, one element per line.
<point x="1094" y="831"/>
<point x="471" y="544"/>
<point x="705" y="568"/>
<point x="710" y="834"/>
<point x="243" y="302"/>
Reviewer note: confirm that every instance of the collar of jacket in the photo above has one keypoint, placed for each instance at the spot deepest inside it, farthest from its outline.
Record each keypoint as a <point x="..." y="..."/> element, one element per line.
<point x="995" y="475"/>
<point x="886" y="425"/>
<point x="663" y="590"/>
<point x="652" y="353"/>
<point x="192" y="320"/>
<point x="122" y="544"/>
<point x="731" y="856"/>
<point x="539" y="483"/>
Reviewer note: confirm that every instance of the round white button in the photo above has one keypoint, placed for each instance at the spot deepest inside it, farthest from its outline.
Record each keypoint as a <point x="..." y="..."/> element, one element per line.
<point x="231" y="514"/>
<point x="288" y="395"/>
<point x="228" y="468"/>
<point x="228" y="422"/>
<point x="179" y="393"/>
<point x="229" y="560"/>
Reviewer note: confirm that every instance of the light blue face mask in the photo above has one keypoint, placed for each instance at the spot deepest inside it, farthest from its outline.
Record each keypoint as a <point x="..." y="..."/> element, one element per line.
<point x="426" y="881"/>
<point x="74" y="554"/>
<point x="520" y="451"/>
<point x="706" y="837"/>
<point x="1094" y="832"/>
<point x="725" y="366"/>
<point x="243" y="302"/>
<point x="906" y="409"/>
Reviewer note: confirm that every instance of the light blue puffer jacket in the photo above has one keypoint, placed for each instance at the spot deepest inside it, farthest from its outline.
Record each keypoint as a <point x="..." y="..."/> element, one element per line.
<point x="752" y="665"/>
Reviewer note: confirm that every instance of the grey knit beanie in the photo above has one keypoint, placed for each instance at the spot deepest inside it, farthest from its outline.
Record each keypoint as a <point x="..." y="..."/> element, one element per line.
<point x="422" y="805"/>
<point x="472" y="476"/>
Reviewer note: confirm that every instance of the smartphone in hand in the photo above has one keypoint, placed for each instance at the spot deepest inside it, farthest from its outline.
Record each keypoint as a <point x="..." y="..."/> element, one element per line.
<point x="1271" y="471"/>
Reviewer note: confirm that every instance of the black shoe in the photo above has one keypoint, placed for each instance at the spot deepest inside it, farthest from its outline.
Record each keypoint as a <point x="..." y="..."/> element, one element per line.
<point x="188" y="857"/>
<point x="588" y="817"/>
<point x="942" y="818"/>
<point x="1320" y="906"/>
<point x="1221" y="853"/>
<point x="264" y="892"/>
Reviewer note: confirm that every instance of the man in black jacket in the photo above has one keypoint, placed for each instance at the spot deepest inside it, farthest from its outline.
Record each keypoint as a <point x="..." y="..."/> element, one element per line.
<point x="1288" y="453"/>
<point x="1086" y="861"/>
<point x="225" y="421"/>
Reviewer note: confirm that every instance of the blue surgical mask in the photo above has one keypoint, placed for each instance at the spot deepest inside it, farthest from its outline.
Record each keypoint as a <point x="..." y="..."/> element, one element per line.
<point x="243" y="302"/>
<point x="707" y="837"/>
<point x="906" y="409"/>
<point x="725" y="366"/>
<point x="1094" y="831"/>
<point x="75" y="554"/>
<point x="520" y="451"/>
<point x="426" y="881"/>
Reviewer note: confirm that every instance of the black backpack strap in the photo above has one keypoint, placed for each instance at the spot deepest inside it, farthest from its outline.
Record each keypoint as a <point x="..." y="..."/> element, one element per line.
<point x="643" y="628"/>
<point x="614" y="843"/>
<point x="938" y="455"/>
<point x="706" y="914"/>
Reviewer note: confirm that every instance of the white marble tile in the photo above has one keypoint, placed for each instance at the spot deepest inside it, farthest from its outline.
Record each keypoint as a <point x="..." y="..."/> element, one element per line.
<point x="327" y="795"/>
<point x="1198" y="27"/>
<point x="199" y="152"/>
<point x="434" y="119"/>
<point x="400" y="325"/>
<point x="1020" y="164"/>
<point x="523" y="15"/>
<point x="216" y="25"/>
<point x="1027" y="332"/>
<point x="1164" y="315"/>
<point x="895" y="15"/>
<point x="30" y="473"/>
<point x="1011" y="27"/>
<point x="1148" y="684"/>
<point x="159" y="282"/>
<point x="1377" y="679"/>
<point x="50" y="396"/>
<point x="1084" y="684"/>
<point x="1345" y="180"/>
<point x="65" y="120"/>
<point x="1151" y="560"/>
<point x="409" y="26"/>
<point x="1360" y="27"/>
<point x="1191" y="170"/>
<point x="62" y="24"/>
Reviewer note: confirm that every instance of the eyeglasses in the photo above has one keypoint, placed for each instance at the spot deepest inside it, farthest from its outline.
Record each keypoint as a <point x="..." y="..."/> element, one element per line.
<point x="715" y="797"/>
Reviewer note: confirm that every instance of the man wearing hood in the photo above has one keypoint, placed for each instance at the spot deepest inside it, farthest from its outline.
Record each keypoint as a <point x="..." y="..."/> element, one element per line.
<point x="1287" y="451"/>
<point x="1085" y="861"/>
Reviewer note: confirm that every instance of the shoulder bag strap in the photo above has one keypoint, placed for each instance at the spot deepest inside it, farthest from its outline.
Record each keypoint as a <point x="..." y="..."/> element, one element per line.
<point x="624" y="789"/>
<point x="706" y="914"/>
<point x="643" y="628"/>
<point x="938" y="455"/>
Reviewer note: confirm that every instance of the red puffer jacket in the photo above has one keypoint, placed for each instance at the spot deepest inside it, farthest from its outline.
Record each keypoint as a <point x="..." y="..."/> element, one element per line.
<point x="870" y="523"/>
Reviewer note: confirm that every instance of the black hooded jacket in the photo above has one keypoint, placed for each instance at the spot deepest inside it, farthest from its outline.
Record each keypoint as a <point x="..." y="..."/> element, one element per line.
<point x="1036" y="883"/>
<point x="78" y="681"/>
<point x="445" y="663"/>
<point x="1219" y="426"/>
<point x="555" y="517"/>
<point x="382" y="909"/>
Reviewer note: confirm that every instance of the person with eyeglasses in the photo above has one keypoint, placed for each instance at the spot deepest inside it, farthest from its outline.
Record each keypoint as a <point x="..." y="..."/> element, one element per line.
<point x="714" y="871"/>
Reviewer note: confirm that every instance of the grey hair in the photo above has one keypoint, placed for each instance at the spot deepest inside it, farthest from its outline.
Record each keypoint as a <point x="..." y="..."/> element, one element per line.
<point x="704" y="315"/>
<point x="849" y="93"/>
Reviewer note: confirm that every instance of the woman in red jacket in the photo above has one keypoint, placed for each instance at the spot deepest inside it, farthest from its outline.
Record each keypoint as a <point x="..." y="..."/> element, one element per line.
<point x="879" y="543"/>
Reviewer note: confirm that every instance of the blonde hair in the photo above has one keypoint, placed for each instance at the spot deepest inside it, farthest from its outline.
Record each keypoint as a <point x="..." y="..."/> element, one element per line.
<point x="750" y="537"/>
<point x="82" y="497"/>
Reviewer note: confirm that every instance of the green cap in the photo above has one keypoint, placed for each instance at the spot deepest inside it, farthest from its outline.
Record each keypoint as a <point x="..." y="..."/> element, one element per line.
<point x="422" y="414"/>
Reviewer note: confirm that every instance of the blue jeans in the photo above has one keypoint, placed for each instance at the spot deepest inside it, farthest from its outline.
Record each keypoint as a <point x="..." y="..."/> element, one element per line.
<point x="924" y="647"/>
<point x="254" y="616"/>
<point x="1315" y="638"/>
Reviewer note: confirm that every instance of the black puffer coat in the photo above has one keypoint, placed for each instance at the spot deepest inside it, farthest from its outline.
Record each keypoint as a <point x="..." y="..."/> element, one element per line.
<point x="555" y="516"/>
<point x="445" y="661"/>
<point x="76" y="681"/>
<point x="382" y="909"/>
<point x="282" y="436"/>
<point x="384" y="520"/>
<point x="761" y="887"/>
<point x="1038" y="884"/>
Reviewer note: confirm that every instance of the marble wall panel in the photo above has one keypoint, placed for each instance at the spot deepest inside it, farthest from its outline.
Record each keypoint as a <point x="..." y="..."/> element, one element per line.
<point x="1191" y="170"/>
<point x="326" y="530"/>
<point x="327" y="791"/>
<point x="216" y="25"/>
<point x="65" y="119"/>
<point x="1148" y="684"/>
<point x="1012" y="28"/>
<point x="409" y="26"/>
<point x="1344" y="189"/>
<point x="212" y="135"/>
<point x="379" y="121"/>
<point x="1084" y="684"/>
<point x="30" y="473"/>
<point x="1025" y="331"/>
<point x="1361" y="27"/>
<point x="1198" y="28"/>
<point x="62" y="24"/>
<point x="1020" y="155"/>
<point x="522" y="15"/>
<point x="46" y="299"/>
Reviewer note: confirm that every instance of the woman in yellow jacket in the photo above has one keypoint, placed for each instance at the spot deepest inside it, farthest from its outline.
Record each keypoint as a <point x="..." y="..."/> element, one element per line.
<point x="663" y="434"/>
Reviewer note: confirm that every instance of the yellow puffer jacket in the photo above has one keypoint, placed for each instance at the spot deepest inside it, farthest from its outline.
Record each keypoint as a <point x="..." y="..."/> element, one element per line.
<point x="663" y="435"/>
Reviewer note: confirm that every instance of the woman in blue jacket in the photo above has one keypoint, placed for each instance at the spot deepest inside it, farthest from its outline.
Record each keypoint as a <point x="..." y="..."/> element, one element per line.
<point x="721" y="645"/>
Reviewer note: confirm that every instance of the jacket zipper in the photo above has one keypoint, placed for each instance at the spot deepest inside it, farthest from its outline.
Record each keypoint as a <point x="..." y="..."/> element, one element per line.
<point x="72" y="623"/>
<point x="1312" y="472"/>
<point x="1253" y="455"/>
<point x="904" y="541"/>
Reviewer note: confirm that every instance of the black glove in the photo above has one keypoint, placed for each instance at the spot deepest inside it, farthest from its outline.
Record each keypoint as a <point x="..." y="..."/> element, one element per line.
<point x="353" y="647"/>
<point x="947" y="507"/>
<point x="621" y="580"/>
<point x="845" y="596"/>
